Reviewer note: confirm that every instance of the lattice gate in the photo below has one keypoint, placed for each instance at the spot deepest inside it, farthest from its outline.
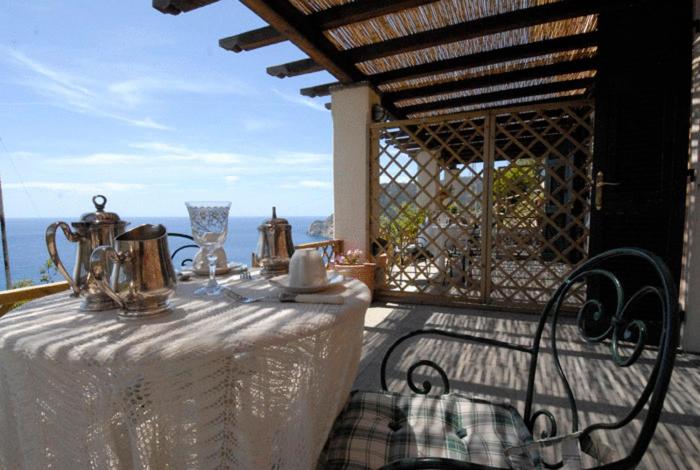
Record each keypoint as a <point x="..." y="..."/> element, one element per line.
<point x="486" y="208"/>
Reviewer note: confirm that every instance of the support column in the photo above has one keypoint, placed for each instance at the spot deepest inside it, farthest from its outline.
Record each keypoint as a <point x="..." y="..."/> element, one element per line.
<point x="427" y="176"/>
<point x="690" y="287"/>
<point x="352" y="114"/>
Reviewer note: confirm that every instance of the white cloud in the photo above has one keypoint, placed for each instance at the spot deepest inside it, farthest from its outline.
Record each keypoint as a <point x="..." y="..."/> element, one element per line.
<point x="25" y="154"/>
<point x="301" y="100"/>
<point x="102" y="159"/>
<point x="159" y="147"/>
<point x="302" y="158"/>
<point x="313" y="184"/>
<point x="138" y="90"/>
<point x="230" y="179"/>
<point x="182" y="156"/>
<point x="72" y="92"/>
<point x="79" y="187"/>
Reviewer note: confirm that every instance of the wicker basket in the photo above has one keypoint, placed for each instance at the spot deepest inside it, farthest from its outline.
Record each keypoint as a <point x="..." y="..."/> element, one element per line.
<point x="363" y="272"/>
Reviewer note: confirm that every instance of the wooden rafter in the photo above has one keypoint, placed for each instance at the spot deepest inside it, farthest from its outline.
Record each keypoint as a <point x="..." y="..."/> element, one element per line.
<point x="290" y="22"/>
<point x="507" y="94"/>
<point x="175" y="7"/>
<point x="293" y="69"/>
<point x="318" y="90"/>
<point x="494" y="56"/>
<point x="509" y="21"/>
<point x="361" y="10"/>
<point x="531" y="73"/>
<point x="250" y="40"/>
<point x="329" y="18"/>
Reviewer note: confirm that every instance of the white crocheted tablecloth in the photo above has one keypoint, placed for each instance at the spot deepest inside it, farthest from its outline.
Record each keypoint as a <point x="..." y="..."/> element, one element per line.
<point x="214" y="384"/>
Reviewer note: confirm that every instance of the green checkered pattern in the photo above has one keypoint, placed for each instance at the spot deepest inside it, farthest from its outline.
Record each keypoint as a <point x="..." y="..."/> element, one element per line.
<point x="376" y="428"/>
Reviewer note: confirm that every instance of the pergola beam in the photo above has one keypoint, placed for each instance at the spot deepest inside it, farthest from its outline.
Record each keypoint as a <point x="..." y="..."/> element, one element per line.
<point x="298" y="28"/>
<point x="318" y="90"/>
<point x="293" y="69"/>
<point x="494" y="56"/>
<point x="502" y="95"/>
<point x="513" y="76"/>
<point x="564" y="9"/>
<point x="361" y="10"/>
<point x="175" y="7"/>
<point x="251" y="40"/>
<point x="531" y="73"/>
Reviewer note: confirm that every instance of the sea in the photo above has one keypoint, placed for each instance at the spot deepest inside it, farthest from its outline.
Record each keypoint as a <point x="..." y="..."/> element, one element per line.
<point x="28" y="254"/>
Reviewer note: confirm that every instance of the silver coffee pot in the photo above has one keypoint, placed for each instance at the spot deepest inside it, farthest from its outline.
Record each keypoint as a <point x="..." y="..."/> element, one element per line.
<point x="92" y="230"/>
<point x="275" y="246"/>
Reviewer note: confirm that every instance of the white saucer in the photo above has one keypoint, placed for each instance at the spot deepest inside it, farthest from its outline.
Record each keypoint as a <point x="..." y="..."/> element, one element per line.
<point x="333" y="279"/>
<point x="230" y="267"/>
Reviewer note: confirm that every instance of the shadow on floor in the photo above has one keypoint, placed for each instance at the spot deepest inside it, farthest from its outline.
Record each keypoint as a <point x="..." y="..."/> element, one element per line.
<point x="604" y="392"/>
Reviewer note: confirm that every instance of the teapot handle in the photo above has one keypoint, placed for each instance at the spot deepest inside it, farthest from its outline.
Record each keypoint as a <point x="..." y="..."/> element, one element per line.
<point x="98" y="266"/>
<point x="53" y="251"/>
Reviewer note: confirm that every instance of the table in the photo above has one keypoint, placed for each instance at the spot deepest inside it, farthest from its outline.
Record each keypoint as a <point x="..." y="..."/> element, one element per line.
<point x="214" y="384"/>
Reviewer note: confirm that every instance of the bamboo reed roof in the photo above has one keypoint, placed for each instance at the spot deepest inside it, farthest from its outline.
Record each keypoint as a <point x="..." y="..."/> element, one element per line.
<point x="431" y="57"/>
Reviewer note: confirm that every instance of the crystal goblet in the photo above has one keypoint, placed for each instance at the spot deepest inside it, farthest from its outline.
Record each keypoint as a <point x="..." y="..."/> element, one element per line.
<point x="209" y="220"/>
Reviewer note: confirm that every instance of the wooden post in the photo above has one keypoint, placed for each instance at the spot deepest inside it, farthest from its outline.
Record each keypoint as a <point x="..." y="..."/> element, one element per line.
<point x="3" y="234"/>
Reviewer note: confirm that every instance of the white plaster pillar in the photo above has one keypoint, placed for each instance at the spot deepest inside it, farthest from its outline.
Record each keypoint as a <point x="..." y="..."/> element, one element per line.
<point x="690" y="287"/>
<point x="352" y="113"/>
<point x="427" y="177"/>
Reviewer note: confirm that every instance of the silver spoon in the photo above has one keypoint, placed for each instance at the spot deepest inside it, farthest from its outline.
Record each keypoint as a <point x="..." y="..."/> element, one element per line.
<point x="242" y="298"/>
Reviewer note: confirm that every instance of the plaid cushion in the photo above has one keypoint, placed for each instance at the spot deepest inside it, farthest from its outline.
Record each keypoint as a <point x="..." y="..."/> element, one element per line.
<point x="376" y="428"/>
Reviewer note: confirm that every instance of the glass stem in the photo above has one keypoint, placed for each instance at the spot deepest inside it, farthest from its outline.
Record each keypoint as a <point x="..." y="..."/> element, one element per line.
<point x="212" y="269"/>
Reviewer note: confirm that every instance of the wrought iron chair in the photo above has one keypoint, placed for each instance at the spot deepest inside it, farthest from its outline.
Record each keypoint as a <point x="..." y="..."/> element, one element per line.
<point x="185" y="261"/>
<point x="393" y="431"/>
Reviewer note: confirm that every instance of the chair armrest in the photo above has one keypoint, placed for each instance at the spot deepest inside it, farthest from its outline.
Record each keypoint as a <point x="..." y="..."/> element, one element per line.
<point x="432" y="463"/>
<point x="427" y="386"/>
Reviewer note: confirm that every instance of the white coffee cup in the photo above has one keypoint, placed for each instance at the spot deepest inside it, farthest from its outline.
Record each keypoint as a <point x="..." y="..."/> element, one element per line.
<point x="306" y="269"/>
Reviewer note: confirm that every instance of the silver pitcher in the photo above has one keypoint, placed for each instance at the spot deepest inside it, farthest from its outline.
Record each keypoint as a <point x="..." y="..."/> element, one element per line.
<point x="275" y="246"/>
<point x="142" y="278"/>
<point x="92" y="230"/>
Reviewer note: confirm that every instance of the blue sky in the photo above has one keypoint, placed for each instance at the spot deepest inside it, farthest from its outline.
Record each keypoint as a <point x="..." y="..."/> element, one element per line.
<point x="117" y="98"/>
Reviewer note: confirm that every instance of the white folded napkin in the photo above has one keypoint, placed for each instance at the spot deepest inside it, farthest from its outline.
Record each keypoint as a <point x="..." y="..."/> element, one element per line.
<point x="312" y="298"/>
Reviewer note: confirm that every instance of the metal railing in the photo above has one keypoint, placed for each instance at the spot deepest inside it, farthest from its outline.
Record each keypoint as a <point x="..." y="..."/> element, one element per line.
<point x="329" y="249"/>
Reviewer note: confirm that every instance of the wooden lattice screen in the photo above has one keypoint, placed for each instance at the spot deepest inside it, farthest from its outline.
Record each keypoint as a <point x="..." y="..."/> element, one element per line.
<point x="488" y="207"/>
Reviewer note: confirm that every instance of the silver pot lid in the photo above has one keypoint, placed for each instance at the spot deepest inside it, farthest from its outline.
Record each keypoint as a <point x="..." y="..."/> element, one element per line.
<point x="99" y="216"/>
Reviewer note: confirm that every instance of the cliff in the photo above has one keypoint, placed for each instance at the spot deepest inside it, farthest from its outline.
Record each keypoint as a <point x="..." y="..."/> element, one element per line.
<point x="322" y="228"/>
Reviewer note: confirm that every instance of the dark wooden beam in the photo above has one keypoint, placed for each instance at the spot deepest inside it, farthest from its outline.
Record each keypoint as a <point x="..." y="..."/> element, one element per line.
<point x="531" y="73"/>
<point x="285" y="18"/>
<point x="293" y="69"/>
<point x="495" y="56"/>
<point x="252" y="39"/>
<point x="329" y="18"/>
<point x="535" y="49"/>
<point x="298" y="28"/>
<point x="175" y="7"/>
<point x="564" y="9"/>
<point x="501" y="95"/>
<point x="318" y="90"/>
<point x="361" y="10"/>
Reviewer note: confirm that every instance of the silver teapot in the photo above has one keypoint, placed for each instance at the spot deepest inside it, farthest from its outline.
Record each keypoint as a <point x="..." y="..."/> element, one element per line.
<point x="275" y="246"/>
<point x="92" y="230"/>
